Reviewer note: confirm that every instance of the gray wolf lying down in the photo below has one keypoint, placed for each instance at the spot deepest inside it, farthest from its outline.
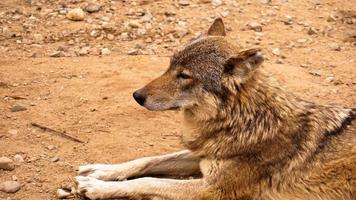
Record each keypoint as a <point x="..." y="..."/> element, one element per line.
<point x="246" y="137"/>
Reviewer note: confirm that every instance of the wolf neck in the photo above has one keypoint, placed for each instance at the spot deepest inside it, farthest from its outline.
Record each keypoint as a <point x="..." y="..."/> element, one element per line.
<point x="256" y="113"/>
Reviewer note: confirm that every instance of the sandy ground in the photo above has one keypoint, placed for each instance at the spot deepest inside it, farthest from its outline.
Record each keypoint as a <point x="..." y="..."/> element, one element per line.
<point x="90" y="97"/>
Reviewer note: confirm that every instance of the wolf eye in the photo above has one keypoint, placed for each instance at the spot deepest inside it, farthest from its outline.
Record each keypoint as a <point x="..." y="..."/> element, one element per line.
<point x="183" y="76"/>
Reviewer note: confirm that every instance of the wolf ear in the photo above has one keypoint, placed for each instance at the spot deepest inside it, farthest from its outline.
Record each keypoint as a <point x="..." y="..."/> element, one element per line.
<point x="217" y="28"/>
<point x="244" y="62"/>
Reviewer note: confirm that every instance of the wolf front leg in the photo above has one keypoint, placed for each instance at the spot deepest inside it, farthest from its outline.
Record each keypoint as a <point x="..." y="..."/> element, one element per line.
<point x="153" y="188"/>
<point x="182" y="163"/>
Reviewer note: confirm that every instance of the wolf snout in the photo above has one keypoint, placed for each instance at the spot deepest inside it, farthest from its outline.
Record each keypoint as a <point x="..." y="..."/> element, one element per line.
<point x="140" y="97"/>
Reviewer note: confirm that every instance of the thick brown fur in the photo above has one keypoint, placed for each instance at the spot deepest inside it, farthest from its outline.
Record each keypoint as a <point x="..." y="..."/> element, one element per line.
<point x="253" y="139"/>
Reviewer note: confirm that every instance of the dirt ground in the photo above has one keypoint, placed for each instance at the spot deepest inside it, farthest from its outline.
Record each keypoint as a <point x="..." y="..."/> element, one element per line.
<point x="309" y="47"/>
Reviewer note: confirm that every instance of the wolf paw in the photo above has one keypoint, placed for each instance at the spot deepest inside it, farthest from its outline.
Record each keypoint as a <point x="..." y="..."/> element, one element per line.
<point x="90" y="187"/>
<point x="106" y="172"/>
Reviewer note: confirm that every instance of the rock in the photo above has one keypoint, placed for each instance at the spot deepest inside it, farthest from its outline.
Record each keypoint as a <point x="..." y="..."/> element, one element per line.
<point x="266" y="1"/>
<point x="332" y="17"/>
<point x="51" y="147"/>
<point x="6" y="163"/>
<point x="55" y="159"/>
<point x="279" y="61"/>
<point x="276" y="51"/>
<point x="38" y="38"/>
<point x="329" y="79"/>
<point x="94" y="33"/>
<point x="18" y="158"/>
<point x="288" y="20"/>
<point x="76" y="14"/>
<point x="62" y="194"/>
<point x="84" y="51"/>
<point x="110" y="36"/>
<point x="18" y="108"/>
<point x="255" y="26"/>
<point x="105" y="51"/>
<point x="10" y="186"/>
<point x="302" y="40"/>
<point x="13" y="132"/>
<point x="184" y="2"/>
<point x="312" y="31"/>
<point x="315" y="73"/>
<point x="55" y="54"/>
<point x="335" y="46"/>
<point x="92" y="7"/>
<point x="133" y="52"/>
<point x="134" y="24"/>
<point x="216" y="3"/>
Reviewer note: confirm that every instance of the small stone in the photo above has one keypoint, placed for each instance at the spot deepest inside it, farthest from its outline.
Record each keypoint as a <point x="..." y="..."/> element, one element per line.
<point x="62" y="194"/>
<point x="184" y="2"/>
<point x="312" y="31"/>
<point x="105" y="51"/>
<point x="276" y="51"/>
<point x="84" y="51"/>
<point x="216" y="3"/>
<point x="93" y="7"/>
<point x="255" y="26"/>
<point x="335" y="47"/>
<point x="315" y="73"/>
<point x="6" y="163"/>
<point x="94" y="33"/>
<point x="18" y="108"/>
<point x="134" y="24"/>
<point x="329" y="79"/>
<point x="304" y="65"/>
<point x="38" y="38"/>
<point x="302" y="40"/>
<point x="55" y="159"/>
<point x="266" y="1"/>
<point x="279" y="61"/>
<point x="55" y="54"/>
<point x="76" y="14"/>
<point x="10" y="186"/>
<point x="18" y="158"/>
<point x="51" y="147"/>
<point x="133" y="52"/>
<point x="110" y="36"/>
<point x="13" y="132"/>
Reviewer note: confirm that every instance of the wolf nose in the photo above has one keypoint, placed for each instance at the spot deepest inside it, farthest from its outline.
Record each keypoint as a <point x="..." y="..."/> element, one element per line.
<point x="139" y="97"/>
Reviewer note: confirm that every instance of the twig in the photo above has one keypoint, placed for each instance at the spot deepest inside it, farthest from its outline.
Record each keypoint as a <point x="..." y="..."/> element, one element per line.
<point x="59" y="133"/>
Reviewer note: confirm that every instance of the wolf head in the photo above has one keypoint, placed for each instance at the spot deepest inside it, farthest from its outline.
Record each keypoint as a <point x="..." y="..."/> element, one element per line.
<point x="200" y="73"/>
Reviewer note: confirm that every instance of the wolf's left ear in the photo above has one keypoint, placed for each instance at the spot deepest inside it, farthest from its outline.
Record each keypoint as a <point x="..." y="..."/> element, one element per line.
<point x="244" y="62"/>
<point x="217" y="28"/>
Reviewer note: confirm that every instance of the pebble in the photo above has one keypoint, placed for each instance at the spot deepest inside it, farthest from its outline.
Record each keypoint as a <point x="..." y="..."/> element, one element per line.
<point x="13" y="132"/>
<point x="62" y="194"/>
<point x="55" y="159"/>
<point x="51" y="147"/>
<point x="329" y="79"/>
<point x="110" y="36"/>
<point x="216" y="3"/>
<point x="18" y="108"/>
<point x="55" y="54"/>
<point x="184" y="2"/>
<point x="18" y="158"/>
<point x="255" y="26"/>
<point x="38" y="38"/>
<point x="134" y="24"/>
<point x="84" y="51"/>
<point x="6" y="163"/>
<point x="10" y="186"/>
<point x="335" y="47"/>
<point x="312" y="31"/>
<point x="92" y="7"/>
<point x="315" y="73"/>
<point x="302" y="40"/>
<point x="276" y="51"/>
<point x="76" y="14"/>
<point x="105" y="51"/>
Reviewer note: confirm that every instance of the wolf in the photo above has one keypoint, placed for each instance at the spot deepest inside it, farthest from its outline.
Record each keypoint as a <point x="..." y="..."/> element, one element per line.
<point x="246" y="138"/>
